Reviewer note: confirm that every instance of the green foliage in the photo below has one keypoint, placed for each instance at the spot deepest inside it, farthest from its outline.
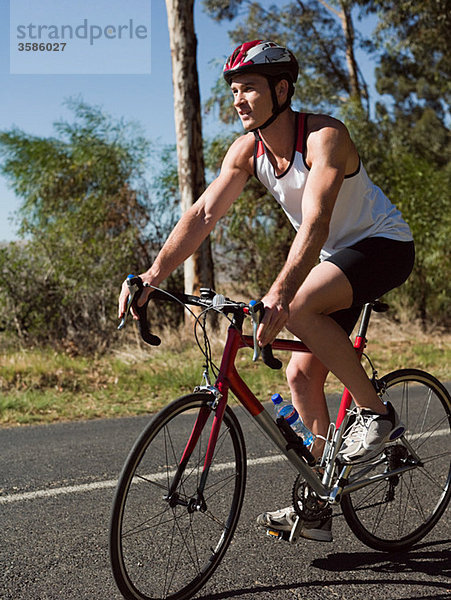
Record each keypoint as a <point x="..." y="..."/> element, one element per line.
<point x="421" y="191"/>
<point x="405" y="148"/>
<point x="415" y="70"/>
<point x="223" y="9"/>
<point x="30" y="293"/>
<point x="253" y="239"/>
<point x="415" y="65"/>
<point x="87" y="217"/>
<point x="315" y="32"/>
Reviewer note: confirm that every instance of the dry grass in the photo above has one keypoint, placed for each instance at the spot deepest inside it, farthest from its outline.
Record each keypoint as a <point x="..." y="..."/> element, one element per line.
<point x="41" y="386"/>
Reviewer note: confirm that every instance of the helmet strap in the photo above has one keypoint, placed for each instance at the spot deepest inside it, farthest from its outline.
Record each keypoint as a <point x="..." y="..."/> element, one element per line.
<point x="276" y="109"/>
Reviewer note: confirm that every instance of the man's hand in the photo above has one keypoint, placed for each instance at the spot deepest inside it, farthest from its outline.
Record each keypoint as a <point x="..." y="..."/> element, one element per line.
<point x="123" y="298"/>
<point x="274" y="320"/>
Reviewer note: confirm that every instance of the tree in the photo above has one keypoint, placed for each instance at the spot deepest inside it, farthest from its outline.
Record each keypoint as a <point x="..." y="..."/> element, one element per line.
<point x="199" y="267"/>
<point x="87" y="216"/>
<point x="415" y="70"/>
<point x="320" y="33"/>
<point x="405" y="146"/>
<point x="252" y="240"/>
<point x="415" y="66"/>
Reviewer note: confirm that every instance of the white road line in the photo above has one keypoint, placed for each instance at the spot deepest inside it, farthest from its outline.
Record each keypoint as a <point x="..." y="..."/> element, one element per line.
<point x="111" y="483"/>
<point x="52" y="492"/>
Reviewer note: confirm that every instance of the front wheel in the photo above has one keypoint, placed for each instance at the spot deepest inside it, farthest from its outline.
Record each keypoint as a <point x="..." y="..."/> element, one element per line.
<point x="166" y="546"/>
<point x="398" y="511"/>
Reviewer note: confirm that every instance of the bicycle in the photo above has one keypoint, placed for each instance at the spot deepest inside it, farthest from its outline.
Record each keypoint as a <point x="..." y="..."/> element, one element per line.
<point x="179" y="496"/>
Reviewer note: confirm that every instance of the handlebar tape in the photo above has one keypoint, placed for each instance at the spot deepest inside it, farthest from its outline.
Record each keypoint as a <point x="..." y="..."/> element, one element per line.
<point x="269" y="359"/>
<point x="143" y="322"/>
<point x="267" y="355"/>
<point x="153" y="340"/>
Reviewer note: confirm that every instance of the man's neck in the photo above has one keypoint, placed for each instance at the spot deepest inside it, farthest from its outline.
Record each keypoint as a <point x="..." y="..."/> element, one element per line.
<point x="279" y="137"/>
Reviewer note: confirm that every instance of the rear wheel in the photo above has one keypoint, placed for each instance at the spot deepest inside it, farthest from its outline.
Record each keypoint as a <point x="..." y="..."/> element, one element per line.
<point x="167" y="548"/>
<point x="395" y="513"/>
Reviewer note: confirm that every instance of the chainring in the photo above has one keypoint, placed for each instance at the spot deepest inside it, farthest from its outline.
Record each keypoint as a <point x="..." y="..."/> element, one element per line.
<point x="306" y="503"/>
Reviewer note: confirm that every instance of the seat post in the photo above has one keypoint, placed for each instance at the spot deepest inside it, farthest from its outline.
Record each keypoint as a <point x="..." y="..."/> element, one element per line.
<point x="359" y="346"/>
<point x="366" y="314"/>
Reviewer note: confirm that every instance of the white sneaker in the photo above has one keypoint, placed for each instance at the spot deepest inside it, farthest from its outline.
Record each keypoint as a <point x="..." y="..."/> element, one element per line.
<point x="283" y="521"/>
<point x="368" y="434"/>
<point x="280" y="520"/>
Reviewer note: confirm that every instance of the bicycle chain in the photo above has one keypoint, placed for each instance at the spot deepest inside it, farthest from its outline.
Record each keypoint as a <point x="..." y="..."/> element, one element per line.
<point x="306" y="504"/>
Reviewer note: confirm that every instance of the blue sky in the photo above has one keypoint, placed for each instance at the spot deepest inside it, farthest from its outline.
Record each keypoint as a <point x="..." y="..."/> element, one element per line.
<point x="101" y="37"/>
<point x="33" y="102"/>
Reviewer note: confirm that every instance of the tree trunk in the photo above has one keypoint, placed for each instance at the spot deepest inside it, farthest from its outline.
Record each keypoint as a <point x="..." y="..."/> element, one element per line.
<point x="199" y="267"/>
<point x="355" y="90"/>
<point x="348" y="30"/>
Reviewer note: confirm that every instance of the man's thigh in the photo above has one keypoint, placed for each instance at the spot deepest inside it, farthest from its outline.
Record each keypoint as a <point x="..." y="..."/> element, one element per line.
<point x="325" y="290"/>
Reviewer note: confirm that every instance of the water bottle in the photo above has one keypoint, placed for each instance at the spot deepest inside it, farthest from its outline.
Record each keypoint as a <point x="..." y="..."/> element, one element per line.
<point x="285" y="409"/>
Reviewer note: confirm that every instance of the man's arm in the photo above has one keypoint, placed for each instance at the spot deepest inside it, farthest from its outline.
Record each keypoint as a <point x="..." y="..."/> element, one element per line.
<point x="329" y="151"/>
<point x="198" y="221"/>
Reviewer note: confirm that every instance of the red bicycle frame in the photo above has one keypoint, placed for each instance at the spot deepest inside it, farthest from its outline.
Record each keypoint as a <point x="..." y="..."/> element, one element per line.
<point x="229" y="379"/>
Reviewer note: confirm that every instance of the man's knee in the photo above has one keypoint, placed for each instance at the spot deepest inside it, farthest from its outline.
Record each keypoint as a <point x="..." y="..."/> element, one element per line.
<point x="302" y="310"/>
<point x="306" y="373"/>
<point x="295" y="376"/>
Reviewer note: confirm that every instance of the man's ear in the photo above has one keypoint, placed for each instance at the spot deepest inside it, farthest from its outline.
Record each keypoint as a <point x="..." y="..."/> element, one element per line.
<point x="282" y="88"/>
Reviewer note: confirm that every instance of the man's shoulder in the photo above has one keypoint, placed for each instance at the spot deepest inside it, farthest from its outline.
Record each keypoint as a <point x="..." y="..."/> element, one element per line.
<point x="241" y="152"/>
<point x="323" y="123"/>
<point x="327" y="138"/>
<point x="243" y="144"/>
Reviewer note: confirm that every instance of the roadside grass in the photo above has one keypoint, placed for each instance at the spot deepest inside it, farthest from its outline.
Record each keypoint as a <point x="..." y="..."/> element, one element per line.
<point x="44" y="386"/>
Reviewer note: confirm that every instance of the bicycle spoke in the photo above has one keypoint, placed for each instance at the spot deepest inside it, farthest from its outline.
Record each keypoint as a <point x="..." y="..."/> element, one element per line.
<point x="139" y="528"/>
<point x="439" y="486"/>
<point x="399" y="511"/>
<point x="177" y="561"/>
<point x="147" y="479"/>
<point x="192" y="555"/>
<point x="183" y="545"/>
<point x="433" y="431"/>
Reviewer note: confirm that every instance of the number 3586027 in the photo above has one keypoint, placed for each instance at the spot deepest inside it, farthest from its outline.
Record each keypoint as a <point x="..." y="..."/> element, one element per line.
<point x="41" y="47"/>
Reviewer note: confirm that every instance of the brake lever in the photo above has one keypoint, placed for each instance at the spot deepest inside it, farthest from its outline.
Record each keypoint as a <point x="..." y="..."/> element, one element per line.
<point x="132" y="284"/>
<point x="254" y="310"/>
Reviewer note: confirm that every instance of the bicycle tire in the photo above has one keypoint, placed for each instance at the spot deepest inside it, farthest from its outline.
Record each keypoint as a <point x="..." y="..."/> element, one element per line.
<point x="158" y="551"/>
<point x="394" y="516"/>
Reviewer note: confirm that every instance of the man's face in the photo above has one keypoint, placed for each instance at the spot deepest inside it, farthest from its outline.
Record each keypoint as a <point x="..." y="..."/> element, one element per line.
<point x="252" y="99"/>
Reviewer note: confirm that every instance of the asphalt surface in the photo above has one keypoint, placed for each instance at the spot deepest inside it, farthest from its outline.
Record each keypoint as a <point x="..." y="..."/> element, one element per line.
<point x="56" y="489"/>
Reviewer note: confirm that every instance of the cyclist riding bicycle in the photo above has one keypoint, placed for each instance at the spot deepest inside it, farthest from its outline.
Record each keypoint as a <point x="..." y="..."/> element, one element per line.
<point x="311" y="166"/>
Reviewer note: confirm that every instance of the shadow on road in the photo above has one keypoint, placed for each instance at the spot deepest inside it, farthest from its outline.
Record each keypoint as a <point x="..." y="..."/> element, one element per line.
<point x="425" y="558"/>
<point x="422" y="559"/>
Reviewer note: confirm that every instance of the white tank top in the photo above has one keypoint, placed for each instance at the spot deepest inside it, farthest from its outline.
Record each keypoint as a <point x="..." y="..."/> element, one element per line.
<point x="361" y="209"/>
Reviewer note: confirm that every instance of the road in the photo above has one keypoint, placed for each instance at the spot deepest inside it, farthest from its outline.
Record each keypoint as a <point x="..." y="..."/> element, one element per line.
<point x="56" y="489"/>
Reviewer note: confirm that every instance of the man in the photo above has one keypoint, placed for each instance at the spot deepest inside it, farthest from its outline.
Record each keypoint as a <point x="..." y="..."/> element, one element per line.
<point x="311" y="166"/>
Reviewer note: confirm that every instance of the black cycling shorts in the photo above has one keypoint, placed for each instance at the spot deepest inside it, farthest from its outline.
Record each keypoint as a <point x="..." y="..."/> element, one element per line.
<point x="373" y="266"/>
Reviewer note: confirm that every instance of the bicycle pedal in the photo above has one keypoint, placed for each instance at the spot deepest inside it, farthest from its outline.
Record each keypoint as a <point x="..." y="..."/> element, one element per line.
<point x="278" y="535"/>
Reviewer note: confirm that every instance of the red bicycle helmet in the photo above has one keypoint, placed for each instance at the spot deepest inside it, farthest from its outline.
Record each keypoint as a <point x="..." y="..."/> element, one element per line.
<point x="265" y="58"/>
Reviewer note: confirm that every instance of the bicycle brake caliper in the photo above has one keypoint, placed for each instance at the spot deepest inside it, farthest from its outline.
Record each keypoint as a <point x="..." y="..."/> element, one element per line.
<point x="210" y="389"/>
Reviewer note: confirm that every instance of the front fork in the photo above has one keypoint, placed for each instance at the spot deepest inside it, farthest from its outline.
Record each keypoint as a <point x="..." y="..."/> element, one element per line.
<point x="218" y="404"/>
